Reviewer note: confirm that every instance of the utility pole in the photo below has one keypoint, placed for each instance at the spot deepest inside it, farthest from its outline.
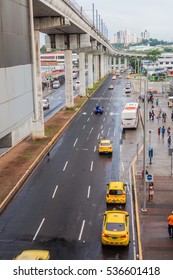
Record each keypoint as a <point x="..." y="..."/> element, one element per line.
<point x="144" y="209"/>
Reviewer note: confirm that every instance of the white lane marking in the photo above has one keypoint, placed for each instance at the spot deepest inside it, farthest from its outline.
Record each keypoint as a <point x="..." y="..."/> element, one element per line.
<point x="114" y="132"/>
<point x="101" y="126"/>
<point x="123" y="166"/>
<point x="102" y="132"/>
<point x="91" y="168"/>
<point x="103" y="119"/>
<point x="91" y="130"/>
<point x="91" y="113"/>
<point x="75" y="142"/>
<point x="106" y="113"/>
<point x="98" y="136"/>
<point x="81" y="231"/>
<point x="65" y="165"/>
<point x="95" y="148"/>
<point x="84" y="126"/>
<point x="89" y="188"/>
<point x="38" y="229"/>
<point x="88" y="119"/>
<point x="120" y="148"/>
<point x="107" y="108"/>
<point x="55" y="191"/>
<point x="108" y="131"/>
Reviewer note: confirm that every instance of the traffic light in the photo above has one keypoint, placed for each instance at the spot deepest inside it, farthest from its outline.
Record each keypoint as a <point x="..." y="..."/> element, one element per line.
<point x="150" y="152"/>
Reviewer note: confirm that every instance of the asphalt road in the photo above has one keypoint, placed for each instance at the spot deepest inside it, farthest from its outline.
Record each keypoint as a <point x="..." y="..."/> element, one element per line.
<point x="60" y="207"/>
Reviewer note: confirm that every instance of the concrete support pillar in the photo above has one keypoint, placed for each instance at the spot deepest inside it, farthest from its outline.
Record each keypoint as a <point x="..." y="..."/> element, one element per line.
<point x="114" y="63"/>
<point x="82" y="74"/>
<point x="119" y="62"/>
<point x="109" y="64"/>
<point x="96" y="68"/>
<point x="102" y="65"/>
<point x="125" y="62"/>
<point x="106" y="64"/>
<point x="69" y="79"/>
<point x="38" y="120"/>
<point x="90" y="71"/>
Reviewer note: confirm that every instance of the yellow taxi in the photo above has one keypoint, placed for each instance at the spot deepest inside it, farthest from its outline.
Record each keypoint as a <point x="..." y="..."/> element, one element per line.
<point x="105" y="147"/>
<point x="33" y="255"/>
<point x="119" y="76"/>
<point x="116" y="192"/>
<point x="128" y="77"/>
<point x="115" y="230"/>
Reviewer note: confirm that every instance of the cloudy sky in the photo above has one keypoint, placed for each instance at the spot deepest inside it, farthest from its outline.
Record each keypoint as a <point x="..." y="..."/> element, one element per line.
<point x="134" y="15"/>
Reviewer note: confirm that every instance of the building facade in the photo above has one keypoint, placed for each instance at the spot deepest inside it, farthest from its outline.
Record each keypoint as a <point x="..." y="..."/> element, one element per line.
<point x="16" y="92"/>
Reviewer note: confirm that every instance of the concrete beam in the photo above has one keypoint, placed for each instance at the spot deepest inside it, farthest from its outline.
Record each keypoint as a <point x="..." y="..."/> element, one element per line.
<point x="50" y="22"/>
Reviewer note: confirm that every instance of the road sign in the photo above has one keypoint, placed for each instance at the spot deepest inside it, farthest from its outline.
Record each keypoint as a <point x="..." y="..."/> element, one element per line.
<point x="149" y="178"/>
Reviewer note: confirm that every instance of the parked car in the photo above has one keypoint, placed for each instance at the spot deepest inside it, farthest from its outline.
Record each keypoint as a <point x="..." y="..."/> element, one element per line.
<point x="46" y="103"/>
<point x="105" y="147"/>
<point x="98" y="110"/>
<point x="115" y="229"/>
<point x="116" y="192"/>
<point x="113" y="77"/>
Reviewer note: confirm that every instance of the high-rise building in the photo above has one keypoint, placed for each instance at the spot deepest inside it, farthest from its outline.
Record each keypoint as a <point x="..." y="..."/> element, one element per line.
<point x="124" y="37"/>
<point x="145" y="35"/>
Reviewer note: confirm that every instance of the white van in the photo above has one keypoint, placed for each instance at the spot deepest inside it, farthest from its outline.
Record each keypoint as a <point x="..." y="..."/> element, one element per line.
<point x="56" y="84"/>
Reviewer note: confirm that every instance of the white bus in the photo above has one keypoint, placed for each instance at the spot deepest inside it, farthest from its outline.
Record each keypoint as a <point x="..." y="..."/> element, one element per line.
<point x="130" y="115"/>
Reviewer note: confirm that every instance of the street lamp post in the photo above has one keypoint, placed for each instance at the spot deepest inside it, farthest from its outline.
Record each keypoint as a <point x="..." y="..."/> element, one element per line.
<point x="144" y="209"/>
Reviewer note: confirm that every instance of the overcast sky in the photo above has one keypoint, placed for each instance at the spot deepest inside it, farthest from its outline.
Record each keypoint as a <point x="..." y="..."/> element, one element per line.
<point x="136" y="16"/>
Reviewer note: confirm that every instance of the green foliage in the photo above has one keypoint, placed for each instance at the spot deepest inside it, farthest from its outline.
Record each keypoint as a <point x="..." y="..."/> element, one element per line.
<point x="43" y="49"/>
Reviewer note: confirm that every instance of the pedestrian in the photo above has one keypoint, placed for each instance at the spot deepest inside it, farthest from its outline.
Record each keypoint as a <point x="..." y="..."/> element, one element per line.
<point x="157" y="101"/>
<point x="172" y="116"/>
<point x="150" y="115"/>
<point x="158" y="118"/>
<point x="168" y="131"/>
<point x="165" y="117"/>
<point x="170" y="225"/>
<point x="169" y="141"/>
<point x="142" y="173"/>
<point x="158" y="131"/>
<point x="151" y="191"/>
<point x="163" y="131"/>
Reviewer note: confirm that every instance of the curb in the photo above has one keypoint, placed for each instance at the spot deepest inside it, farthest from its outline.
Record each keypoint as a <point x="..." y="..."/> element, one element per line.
<point x="136" y="206"/>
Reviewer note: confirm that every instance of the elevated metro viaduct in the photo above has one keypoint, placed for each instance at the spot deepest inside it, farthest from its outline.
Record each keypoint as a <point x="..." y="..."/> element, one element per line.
<point x="67" y="28"/>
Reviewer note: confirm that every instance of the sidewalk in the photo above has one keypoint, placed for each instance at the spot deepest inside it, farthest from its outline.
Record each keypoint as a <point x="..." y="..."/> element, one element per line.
<point x="155" y="241"/>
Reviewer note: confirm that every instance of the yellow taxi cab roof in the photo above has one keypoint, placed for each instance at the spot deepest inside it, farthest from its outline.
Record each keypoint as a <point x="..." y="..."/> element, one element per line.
<point x="116" y="185"/>
<point x="105" y="141"/>
<point x="33" y="255"/>
<point x="115" y="216"/>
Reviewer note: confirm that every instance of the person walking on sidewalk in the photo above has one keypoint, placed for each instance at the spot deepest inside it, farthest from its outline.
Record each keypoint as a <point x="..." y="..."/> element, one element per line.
<point x="169" y="141"/>
<point x="163" y="131"/>
<point x="168" y="131"/>
<point x="170" y="225"/>
<point x="151" y="192"/>
<point x="158" y="131"/>
<point x="172" y="116"/>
